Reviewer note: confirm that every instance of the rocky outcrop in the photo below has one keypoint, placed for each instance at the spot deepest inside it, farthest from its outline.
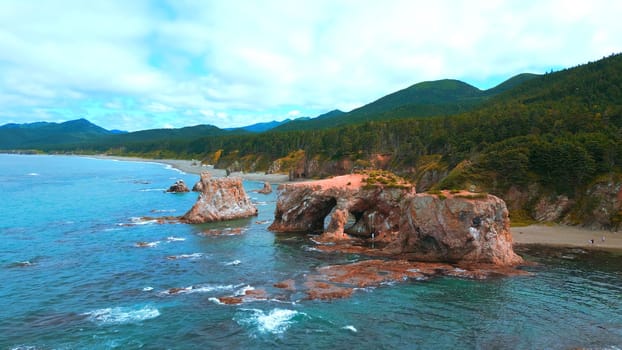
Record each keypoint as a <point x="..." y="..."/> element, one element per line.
<point x="456" y="228"/>
<point x="178" y="187"/>
<point x="446" y="227"/>
<point x="198" y="187"/>
<point x="267" y="188"/>
<point x="600" y="207"/>
<point x="220" y="199"/>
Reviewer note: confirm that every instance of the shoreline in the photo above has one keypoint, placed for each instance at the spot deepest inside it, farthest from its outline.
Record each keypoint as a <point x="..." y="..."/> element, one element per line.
<point x="554" y="235"/>
<point x="194" y="167"/>
<point x="566" y="236"/>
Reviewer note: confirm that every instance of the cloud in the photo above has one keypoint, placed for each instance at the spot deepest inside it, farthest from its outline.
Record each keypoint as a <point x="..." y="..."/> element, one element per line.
<point x="146" y="64"/>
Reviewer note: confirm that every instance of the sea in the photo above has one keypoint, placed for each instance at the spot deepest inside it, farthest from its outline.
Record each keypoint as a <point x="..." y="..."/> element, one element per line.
<point x="81" y="267"/>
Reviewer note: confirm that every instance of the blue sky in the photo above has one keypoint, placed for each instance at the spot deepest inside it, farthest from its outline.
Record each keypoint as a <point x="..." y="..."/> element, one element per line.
<point x="137" y="64"/>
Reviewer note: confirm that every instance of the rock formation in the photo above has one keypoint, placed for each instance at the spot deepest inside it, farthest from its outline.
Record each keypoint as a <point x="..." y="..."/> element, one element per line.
<point x="220" y="199"/>
<point x="267" y="189"/>
<point x="446" y="227"/>
<point x="198" y="187"/>
<point x="178" y="186"/>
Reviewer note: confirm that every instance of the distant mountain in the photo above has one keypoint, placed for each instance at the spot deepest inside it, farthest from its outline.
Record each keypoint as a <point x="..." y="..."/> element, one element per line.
<point x="36" y="135"/>
<point x="261" y="127"/>
<point x="302" y="123"/>
<point x="430" y="98"/>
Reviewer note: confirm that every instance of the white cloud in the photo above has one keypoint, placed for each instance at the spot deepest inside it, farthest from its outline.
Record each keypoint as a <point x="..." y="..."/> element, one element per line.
<point x="231" y="63"/>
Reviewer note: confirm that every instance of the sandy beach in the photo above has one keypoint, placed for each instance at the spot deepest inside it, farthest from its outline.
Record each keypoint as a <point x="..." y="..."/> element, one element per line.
<point x="195" y="167"/>
<point x="567" y="236"/>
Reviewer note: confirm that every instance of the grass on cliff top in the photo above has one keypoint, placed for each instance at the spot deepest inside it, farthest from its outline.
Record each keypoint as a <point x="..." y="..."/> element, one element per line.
<point x="383" y="178"/>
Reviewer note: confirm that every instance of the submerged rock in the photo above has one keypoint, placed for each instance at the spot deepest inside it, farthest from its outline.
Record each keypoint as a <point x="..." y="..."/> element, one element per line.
<point x="220" y="199"/>
<point x="447" y="227"/>
<point x="178" y="187"/>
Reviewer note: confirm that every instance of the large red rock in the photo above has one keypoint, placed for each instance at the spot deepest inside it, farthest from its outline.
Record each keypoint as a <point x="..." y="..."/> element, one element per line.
<point x="220" y="199"/>
<point x="445" y="227"/>
<point x="457" y="228"/>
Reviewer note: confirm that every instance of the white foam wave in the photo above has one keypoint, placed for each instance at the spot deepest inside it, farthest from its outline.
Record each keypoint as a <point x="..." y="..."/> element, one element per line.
<point x="216" y="301"/>
<point x="122" y="315"/>
<point x="25" y="347"/>
<point x="233" y="263"/>
<point x="140" y="221"/>
<point x="147" y="289"/>
<point x="276" y="321"/>
<point x="350" y="328"/>
<point x="164" y="210"/>
<point x="242" y="291"/>
<point x="152" y="189"/>
<point x="170" y="167"/>
<point x="175" y="239"/>
<point x="33" y="174"/>
<point x="147" y="244"/>
<point x="192" y="256"/>
<point x="205" y="288"/>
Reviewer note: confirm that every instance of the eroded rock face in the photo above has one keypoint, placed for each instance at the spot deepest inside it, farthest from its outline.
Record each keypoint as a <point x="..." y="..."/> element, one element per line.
<point x="178" y="187"/>
<point x="352" y="208"/>
<point x="457" y="228"/>
<point x="220" y="199"/>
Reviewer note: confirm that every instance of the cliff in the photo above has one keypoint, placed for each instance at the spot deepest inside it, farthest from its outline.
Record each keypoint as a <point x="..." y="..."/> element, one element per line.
<point x="219" y="199"/>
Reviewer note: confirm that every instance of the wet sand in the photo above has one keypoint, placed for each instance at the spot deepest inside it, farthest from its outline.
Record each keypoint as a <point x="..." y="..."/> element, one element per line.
<point x="195" y="167"/>
<point x="567" y="236"/>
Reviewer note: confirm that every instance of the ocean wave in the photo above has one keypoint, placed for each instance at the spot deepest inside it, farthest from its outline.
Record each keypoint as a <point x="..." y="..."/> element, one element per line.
<point x="170" y="167"/>
<point x="275" y="321"/>
<point x="201" y="288"/>
<point x="233" y="263"/>
<point x="33" y="174"/>
<point x="163" y="210"/>
<point x="122" y="315"/>
<point x="135" y="220"/>
<point x="193" y="256"/>
<point x="242" y="291"/>
<point x="25" y="347"/>
<point x="146" y="244"/>
<point x="24" y="263"/>
<point x="350" y="328"/>
<point x="175" y="239"/>
<point x="152" y="189"/>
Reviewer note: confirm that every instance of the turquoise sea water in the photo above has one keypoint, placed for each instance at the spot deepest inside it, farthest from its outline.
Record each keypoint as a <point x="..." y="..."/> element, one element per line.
<point x="72" y="277"/>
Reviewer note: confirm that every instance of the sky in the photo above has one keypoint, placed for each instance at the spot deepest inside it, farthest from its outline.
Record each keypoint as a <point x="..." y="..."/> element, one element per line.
<point x="144" y="64"/>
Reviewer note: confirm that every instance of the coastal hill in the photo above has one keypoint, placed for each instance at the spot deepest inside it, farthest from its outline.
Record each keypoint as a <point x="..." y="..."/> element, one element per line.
<point x="430" y="98"/>
<point x="33" y="135"/>
<point x="549" y="145"/>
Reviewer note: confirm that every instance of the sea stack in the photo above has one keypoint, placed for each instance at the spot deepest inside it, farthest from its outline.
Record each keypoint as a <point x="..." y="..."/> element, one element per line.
<point x="178" y="187"/>
<point x="220" y="199"/>
<point x="267" y="189"/>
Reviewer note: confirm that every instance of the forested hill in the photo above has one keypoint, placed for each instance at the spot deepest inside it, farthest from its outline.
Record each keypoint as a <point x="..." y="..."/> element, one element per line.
<point x="41" y="134"/>
<point x="430" y="98"/>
